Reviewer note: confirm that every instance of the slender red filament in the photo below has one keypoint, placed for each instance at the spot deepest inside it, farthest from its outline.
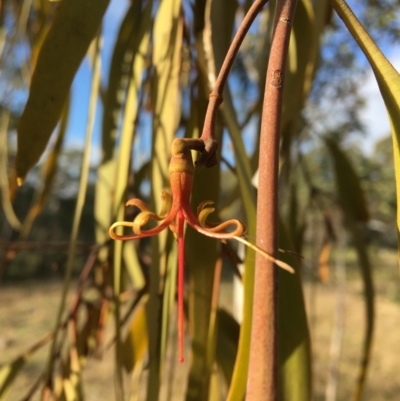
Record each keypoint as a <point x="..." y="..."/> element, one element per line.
<point x="181" y="265"/>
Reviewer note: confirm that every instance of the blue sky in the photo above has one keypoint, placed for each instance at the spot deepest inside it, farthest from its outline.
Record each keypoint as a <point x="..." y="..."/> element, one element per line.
<point x="374" y="113"/>
<point x="81" y="85"/>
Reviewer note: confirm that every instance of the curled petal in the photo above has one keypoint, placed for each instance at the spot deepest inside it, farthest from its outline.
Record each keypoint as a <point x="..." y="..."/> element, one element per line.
<point x="239" y="230"/>
<point x="203" y="205"/>
<point x="142" y="218"/>
<point x="218" y="228"/>
<point x="143" y="233"/>
<point x="165" y="206"/>
<point x="216" y="231"/>
<point x="138" y="203"/>
<point x="203" y="214"/>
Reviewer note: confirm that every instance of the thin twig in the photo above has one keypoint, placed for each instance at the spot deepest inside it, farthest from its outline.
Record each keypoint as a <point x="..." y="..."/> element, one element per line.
<point x="208" y="157"/>
<point x="263" y="366"/>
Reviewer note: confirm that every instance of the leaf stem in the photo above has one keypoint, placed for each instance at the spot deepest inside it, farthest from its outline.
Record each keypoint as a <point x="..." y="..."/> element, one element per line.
<point x="263" y="365"/>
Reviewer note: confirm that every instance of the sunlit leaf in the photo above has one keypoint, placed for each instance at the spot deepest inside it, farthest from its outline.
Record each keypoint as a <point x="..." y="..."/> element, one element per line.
<point x="72" y="31"/>
<point x="123" y="164"/>
<point x="165" y="97"/>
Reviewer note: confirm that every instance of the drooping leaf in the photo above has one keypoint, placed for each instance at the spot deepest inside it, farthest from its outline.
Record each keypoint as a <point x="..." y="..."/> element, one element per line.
<point x="355" y="210"/>
<point x="302" y="60"/>
<point x="122" y="169"/>
<point x="369" y="299"/>
<point x="82" y="189"/>
<point x="350" y="193"/>
<point x="227" y="343"/>
<point x="293" y="333"/>
<point x="67" y="42"/>
<point x="48" y="173"/>
<point x="388" y="81"/>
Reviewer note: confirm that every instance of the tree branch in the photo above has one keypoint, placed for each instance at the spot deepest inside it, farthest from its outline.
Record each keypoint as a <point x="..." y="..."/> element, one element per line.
<point x="263" y="367"/>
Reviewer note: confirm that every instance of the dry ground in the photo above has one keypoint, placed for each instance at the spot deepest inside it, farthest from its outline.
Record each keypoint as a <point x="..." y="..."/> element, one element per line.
<point x="27" y="312"/>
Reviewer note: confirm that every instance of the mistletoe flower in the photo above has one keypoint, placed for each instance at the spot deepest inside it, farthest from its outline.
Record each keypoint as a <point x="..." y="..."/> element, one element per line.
<point x="176" y="210"/>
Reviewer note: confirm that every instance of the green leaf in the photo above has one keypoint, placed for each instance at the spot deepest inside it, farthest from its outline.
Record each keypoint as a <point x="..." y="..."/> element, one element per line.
<point x="388" y="81"/>
<point x="47" y="175"/>
<point x="369" y="299"/>
<point x="354" y="206"/>
<point x="75" y="25"/>
<point x="293" y="333"/>
<point x="302" y="61"/>
<point x="227" y="343"/>
<point x="351" y="195"/>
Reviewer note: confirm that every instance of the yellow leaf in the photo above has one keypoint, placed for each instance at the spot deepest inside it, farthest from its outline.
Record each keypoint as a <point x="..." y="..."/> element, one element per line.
<point x="136" y="343"/>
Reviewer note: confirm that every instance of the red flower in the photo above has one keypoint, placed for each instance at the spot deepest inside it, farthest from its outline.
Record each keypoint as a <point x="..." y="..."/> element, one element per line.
<point x="174" y="213"/>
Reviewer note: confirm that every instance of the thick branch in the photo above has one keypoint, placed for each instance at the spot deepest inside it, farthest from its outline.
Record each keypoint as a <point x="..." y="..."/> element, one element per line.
<point x="263" y="368"/>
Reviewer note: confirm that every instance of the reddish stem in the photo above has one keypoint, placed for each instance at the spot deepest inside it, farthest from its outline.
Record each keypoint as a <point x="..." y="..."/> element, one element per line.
<point x="181" y="278"/>
<point x="263" y="365"/>
<point x="211" y="145"/>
